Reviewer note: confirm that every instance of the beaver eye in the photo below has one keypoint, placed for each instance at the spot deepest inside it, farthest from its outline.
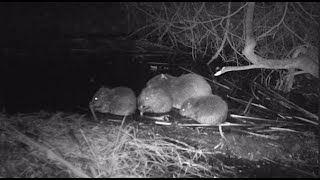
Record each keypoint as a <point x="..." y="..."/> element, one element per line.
<point x="95" y="98"/>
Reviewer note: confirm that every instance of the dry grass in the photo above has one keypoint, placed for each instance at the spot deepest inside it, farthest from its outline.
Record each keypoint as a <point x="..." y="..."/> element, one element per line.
<point x="72" y="145"/>
<point x="60" y="145"/>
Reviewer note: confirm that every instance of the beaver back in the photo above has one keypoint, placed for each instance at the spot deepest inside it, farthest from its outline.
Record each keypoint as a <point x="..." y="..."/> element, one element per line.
<point x="188" y="85"/>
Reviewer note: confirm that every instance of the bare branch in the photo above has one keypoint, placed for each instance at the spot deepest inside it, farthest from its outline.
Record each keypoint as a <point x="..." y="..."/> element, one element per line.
<point x="303" y="62"/>
<point x="277" y="25"/>
<point x="224" y="37"/>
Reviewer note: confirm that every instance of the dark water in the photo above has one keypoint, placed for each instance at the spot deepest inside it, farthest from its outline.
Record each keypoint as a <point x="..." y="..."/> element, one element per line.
<point x="65" y="81"/>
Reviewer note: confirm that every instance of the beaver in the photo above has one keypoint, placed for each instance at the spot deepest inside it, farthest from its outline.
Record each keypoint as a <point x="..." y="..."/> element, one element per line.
<point x="161" y="95"/>
<point x="117" y="101"/>
<point x="155" y="100"/>
<point x="209" y="109"/>
<point x="188" y="85"/>
<point x="158" y="86"/>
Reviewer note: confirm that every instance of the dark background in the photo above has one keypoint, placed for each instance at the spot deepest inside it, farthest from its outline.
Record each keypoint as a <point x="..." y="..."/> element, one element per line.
<point x="54" y="56"/>
<point x="41" y="67"/>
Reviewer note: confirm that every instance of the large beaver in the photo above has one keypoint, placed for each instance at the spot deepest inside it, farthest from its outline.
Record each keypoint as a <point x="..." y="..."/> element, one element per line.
<point x="164" y="92"/>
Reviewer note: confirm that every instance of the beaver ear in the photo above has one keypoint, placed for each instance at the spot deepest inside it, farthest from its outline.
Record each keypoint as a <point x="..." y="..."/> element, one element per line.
<point x="163" y="76"/>
<point x="106" y="87"/>
<point x="103" y="87"/>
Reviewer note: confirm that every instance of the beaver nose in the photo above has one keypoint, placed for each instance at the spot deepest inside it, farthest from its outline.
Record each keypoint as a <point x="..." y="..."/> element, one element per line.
<point x="142" y="108"/>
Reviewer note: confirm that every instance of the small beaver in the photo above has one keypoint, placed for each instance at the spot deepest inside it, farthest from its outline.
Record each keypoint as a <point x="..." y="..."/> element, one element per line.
<point x="210" y="109"/>
<point x="118" y="101"/>
<point x="161" y="95"/>
<point x="158" y="86"/>
<point x="155" y="100"/>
